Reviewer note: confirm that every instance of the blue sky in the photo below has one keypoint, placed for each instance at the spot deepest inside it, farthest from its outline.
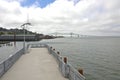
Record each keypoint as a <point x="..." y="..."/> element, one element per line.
<point x="41" y="3"/>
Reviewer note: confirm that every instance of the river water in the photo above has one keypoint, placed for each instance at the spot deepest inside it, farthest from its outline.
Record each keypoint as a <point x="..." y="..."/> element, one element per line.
<point x="7" y="51"/>
<point x="99" y="57"/>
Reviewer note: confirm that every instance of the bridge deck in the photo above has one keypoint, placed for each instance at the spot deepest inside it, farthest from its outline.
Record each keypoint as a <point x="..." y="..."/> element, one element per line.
<point x="38" y="64"/>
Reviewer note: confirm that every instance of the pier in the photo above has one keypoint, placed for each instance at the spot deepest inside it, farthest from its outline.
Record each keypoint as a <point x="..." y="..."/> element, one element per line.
<point x="40" y="62"/>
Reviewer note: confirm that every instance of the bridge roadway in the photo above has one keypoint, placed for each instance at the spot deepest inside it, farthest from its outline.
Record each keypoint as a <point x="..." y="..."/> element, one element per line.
<point x="38" y="64"/>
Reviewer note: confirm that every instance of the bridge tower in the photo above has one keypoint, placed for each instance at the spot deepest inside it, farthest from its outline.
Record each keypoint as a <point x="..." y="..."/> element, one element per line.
<point x="71" y="34"/>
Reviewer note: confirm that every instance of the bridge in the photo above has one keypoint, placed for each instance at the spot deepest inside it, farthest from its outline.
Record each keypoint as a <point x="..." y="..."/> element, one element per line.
<point x="71" y="34"/>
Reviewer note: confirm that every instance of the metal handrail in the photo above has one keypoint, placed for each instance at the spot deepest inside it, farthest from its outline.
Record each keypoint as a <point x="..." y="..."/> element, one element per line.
<point x="66" y="69"/>
<point x="9" y="61"/>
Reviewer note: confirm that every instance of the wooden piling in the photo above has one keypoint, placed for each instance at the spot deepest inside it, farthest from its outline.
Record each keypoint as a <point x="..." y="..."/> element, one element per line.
<point x="80" y="71"/>
<point x="58" y="53"/>
<point x="65" y="60"/>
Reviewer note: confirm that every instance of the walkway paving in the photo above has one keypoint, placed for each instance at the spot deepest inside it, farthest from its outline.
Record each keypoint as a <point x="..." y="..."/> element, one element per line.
<point x="36" y="65"/>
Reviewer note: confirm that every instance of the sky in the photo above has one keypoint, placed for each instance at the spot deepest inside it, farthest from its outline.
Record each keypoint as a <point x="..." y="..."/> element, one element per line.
<point x="86" y="17"/>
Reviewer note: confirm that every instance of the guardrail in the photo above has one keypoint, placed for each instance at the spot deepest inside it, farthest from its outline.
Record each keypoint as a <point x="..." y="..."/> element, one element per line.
<point x="65" y="68"/>
<point x="5" y="44"/>
<point x="6" y="64"/>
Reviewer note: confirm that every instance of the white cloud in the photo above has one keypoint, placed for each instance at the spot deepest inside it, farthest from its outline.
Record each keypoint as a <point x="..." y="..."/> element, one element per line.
<point x="95" y="17"/>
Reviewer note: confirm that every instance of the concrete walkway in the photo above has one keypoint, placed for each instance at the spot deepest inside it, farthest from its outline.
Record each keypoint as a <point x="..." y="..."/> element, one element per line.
<point x="36" y="65"/>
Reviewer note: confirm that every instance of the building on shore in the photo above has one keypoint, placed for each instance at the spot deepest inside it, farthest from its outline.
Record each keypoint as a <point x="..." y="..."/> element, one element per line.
<point x="20" y="37"/>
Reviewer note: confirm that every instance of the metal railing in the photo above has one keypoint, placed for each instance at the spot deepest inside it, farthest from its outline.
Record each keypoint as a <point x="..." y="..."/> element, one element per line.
<point x="6" y="64"/>
<point x="65" y="68"/>
<point x="36" y="45"/>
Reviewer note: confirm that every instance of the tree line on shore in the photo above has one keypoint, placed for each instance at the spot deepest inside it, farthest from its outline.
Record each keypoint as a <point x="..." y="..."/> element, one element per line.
<point x="4" y="31"/>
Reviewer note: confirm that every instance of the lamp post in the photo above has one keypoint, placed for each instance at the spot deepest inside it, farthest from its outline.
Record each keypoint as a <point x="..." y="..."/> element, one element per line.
<point x="24" y="26"/>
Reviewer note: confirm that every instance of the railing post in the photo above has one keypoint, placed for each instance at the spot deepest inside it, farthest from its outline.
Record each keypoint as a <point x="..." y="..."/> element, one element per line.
<point x="50" y="49"/>
<point x="61" y="57"/>
<point x="66" y="67"/>
<point x="53" y="49"/>
<point x="58" y="53"/>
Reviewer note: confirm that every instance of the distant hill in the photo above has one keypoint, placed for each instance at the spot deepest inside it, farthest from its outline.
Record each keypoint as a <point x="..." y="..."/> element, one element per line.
<point x="12" y="31"/>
